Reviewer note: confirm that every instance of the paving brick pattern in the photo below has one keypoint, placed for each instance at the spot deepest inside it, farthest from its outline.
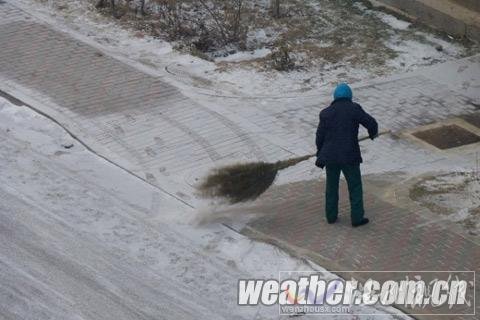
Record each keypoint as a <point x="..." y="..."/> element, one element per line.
<point x="135" y="116"/>
<point x="10" y="13"/>
<point x="166" y="136"/>
<point x="397" y="104"/>
<point x="395" y="240"/>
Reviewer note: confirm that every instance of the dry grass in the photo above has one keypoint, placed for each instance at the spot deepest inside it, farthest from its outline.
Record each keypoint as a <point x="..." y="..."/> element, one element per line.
<point x="319" y="32"/>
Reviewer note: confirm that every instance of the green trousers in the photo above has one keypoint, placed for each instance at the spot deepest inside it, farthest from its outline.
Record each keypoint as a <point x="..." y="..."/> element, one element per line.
<point x="354" y="181"/>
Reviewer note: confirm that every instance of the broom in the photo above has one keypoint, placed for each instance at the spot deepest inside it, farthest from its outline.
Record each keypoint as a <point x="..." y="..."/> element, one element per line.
<point x="247" y="181"/>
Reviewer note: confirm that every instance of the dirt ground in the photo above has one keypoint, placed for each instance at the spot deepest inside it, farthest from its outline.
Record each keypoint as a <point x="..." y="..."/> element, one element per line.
<point x="315" y="32"/>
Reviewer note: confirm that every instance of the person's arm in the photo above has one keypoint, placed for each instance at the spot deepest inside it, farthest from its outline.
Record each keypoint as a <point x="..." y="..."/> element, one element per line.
<point x="320" y="134"/>
<point x="321" y="131"/>
<point x="368" y="122"/>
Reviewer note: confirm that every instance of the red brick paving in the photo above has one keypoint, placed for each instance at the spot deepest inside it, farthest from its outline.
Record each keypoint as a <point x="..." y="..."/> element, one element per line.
<point x="396" y="239"/>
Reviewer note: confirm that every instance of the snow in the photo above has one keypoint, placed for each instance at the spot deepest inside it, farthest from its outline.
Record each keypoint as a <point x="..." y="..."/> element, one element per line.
<point x="412" y="54"/>
<point x="155" y="55"/>
<point x="262" y="35"/>
<point x="455" y="196"/>
<point x="245" y="55"/>
<point x="132" y="230"/>
<point x="394" y="22"/>
<point x="388" y="19"/>
<point x="131" y="239"/>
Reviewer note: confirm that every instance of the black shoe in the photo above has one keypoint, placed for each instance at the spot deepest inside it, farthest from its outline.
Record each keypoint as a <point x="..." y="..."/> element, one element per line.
<point x="332" y="221"/>
<point x="361" y="223"/>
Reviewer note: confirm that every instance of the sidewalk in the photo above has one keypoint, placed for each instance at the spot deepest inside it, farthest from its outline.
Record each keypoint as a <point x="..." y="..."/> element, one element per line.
<point x="141" y="122"/>
<point x="133" y="118"/>
<point x="395" y="240"/>
<point x="149" y="127"/>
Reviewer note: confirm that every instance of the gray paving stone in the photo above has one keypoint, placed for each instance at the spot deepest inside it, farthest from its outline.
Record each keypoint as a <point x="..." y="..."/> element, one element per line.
<point x="102" y="96"/>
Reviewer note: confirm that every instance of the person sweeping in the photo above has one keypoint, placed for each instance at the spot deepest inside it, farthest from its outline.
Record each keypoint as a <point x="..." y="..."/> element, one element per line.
<point x="338" y="151"/>
<point x="337" y="148"/>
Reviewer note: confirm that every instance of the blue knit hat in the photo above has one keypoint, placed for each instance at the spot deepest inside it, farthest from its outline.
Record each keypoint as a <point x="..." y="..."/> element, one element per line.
<point x="343" y="91"/>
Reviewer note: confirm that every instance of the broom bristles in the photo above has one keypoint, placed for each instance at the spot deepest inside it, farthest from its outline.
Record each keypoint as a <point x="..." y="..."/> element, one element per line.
<point x="238" y="183"/>
<point x="244" y="182"/>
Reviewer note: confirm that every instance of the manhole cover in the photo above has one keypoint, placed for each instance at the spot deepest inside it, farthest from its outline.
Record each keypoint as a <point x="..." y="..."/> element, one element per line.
<point x="446" y="137"/>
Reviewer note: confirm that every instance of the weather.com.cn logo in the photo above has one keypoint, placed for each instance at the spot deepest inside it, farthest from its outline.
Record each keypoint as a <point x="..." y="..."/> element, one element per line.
<point x="415" y="292"/>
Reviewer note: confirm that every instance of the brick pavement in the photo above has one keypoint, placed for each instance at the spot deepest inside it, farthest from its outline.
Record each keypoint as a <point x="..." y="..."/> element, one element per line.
<point x="138" y="119"/>
<point x="128" y="114"/>
<point x="155" y="131"/>
<point x="396" y="239"/>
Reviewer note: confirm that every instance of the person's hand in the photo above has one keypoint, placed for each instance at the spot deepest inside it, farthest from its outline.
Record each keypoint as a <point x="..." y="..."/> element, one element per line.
<point x="319" y="164"/>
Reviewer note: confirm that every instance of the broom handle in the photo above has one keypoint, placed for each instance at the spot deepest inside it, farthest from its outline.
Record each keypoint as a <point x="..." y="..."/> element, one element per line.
<point x="381" y="133"/>
<point x="280" y="165"/>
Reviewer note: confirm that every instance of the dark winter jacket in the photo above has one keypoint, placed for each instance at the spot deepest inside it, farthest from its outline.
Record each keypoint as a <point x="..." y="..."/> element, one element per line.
<point x="337" y="133"/>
